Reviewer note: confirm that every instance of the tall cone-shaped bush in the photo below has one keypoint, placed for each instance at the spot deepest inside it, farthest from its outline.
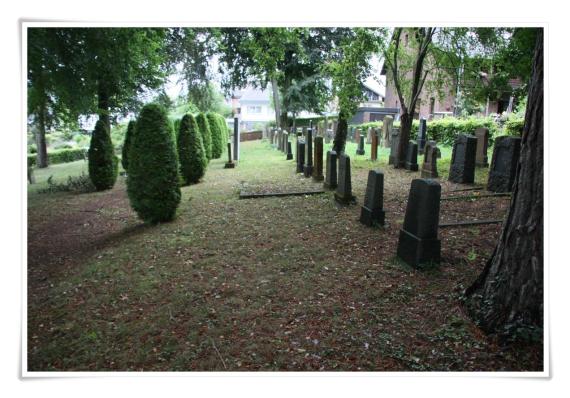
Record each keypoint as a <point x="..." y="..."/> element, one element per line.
<point x="127" y="143"/>
<point x="103" y="164"/>
<point x="152" y="183"/>
<point x="191" y="152"/>
<point x="204" y="127"/>
<point x="217" y="144"/>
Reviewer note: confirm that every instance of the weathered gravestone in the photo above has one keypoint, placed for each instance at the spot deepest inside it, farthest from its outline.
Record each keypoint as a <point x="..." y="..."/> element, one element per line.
<point x="374" y="146"/>
<point x="308" y="169"/>
<point x="369" y="136"/>
<point x="422" y="136"/>
<point x="236" y="139"/>
<point x="355" y="134"/>
<point x="412" y="157"/>
<point x="318" y="169"/>
<point x="343" y="194"/>
<point x="372" y="212"/>
<point x="300" y="156"/>
<point x="285" y="141"/>
<point x="429" y="167"/>
<point x="289" y="151"/>
<point x="462" y="169"/>
<point x="504" y="164"/>
<point x="330" y="177"/>
<point x="360" y="149"/>
<point x="418" y="242"/>
<point x="387" y="130"/>
<point x="394" y="140"/>
<point x="482" y="135"/>
<point x="229" y="164"/>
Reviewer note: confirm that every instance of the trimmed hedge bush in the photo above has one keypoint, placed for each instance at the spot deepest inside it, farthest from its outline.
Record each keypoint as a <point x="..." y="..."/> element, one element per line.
<point x="514" y="126"/>
<point x="126" y="145"/>
<point x="217" y="145"/>
<point x="191" y="152"/>
<point x="225" y="131"/>
<point x="152" y="181"/>
<point x="60" y="156"/>
<point x="102" y="162"/>
<point x="204" y="128"/>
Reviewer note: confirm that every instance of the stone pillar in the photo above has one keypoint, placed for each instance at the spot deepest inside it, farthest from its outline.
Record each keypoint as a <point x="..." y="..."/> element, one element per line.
<point x="394" y="139"/>
<point x="360" y="150"/>
<point x="412" y="157"/>
<point x="356" y="134"/>
<point x="236" y="139"/>
<point x="308" y="169"/>
<point x="504" y="164"/>
<point x="300" y="156"/>
<point x="289" y="151"/>
<point x="429" y="167"/>
<point x="422" y="136"/>
<point x="369" y="136"/>
<point x="343" y="194"/>
<point x="462" y="169"/>
<point x="229" y="164"/>
<point x="482" y="135"/>
<point x="318" y="169"/>
<point x="387" y="130"/>
<point x="418" y="242"/>
<point x="331" y="178"/>
<point x="374" y="146"/>
<point x="372" y="211"/>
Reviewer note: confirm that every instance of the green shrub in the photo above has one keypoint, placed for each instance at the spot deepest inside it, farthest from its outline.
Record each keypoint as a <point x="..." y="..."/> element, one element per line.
<point x="152" y="181"/>
<point x="206" y="134"/>
<point x="126" y="145"/>
<point x="102" y="162"/>
<point x="217" y="145"/>
<point x="225" y="131"/>
<point x="191" y="152"/>
<point x="514" y="126"/>
<point x="60" y="156"/>
<point x="81" y="183"/>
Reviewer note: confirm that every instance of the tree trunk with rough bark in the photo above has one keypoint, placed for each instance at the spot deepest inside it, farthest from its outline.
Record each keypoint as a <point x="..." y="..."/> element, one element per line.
<point x="276" y="102"/>
<point x="103" y="105"/>
<point x="40" y="135"/>
<point x="339" y="141"/>
<point x="406" y="120"/>
<point x="508" y="295"/>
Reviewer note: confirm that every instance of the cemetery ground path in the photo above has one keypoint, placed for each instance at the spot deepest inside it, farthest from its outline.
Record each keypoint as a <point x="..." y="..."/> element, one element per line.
<point x="286" y="283"/>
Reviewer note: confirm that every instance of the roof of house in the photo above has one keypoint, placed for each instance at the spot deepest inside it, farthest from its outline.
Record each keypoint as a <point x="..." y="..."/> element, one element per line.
<point x="252" y="95"/>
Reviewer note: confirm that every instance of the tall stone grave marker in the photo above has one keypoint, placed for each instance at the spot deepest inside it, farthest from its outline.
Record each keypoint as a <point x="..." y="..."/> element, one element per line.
<point x="330" y="177"/>
<point x="412" y="157"/>
<point x="387" y="130"/>
<point x="418" y="242"/>
<point x="356" y="134"/>
<point x="285" y="141"/>
<point x="504" y="164"/>
<point x="429" y="167"/>
<point x="308" y="169"/>
<point x="372" y="211"/>
<point x="394" y="140"/>
<point x="229" y="164"/>
<point x="236" y="139"/>
<point x="289" y="151"/>
<point x="318" y="169"/>
<point x="422" y="136"/>
<point x="462" y="169"/>
<point x="343" y="194"/>
<point x="374" y="146"/>
<point x="360" y="150"/>
<point x="482" y="135"/>
<point x="300" y="156"/>
<point x="369" y="136"/>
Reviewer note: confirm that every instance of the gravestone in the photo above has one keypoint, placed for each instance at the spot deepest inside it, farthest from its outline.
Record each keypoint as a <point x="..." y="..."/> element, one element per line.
<point x="356" y="134"/>
<point x="412" y="157"/>
<point x="369" y="136"/>
<point x="374" y="146"/>
<point x="462" y="169"/>
<point x="387" y="130"/>
<point x="360" y="150"/>
<point x="418" y="242"/>
<point x="300" y="156"/>
<point x="328" y="136"/>
<point x="289" y="151"/>
<point x="394" y="140"/>
<point x="422" y="136"/>
<point x="236" y="139"/>
<point x="429" y="167"/>
<point x="308" y="168"/>
<point x="372" y="211"/>
<point x="229" y="164"/>
<point x="504" y="164"/>
<point x="318" y="169"/>
<point x="343" y="194"/>
<point x="330" y="177"/>
<point x="482" y="135"/>
<point x="285" y="141"/>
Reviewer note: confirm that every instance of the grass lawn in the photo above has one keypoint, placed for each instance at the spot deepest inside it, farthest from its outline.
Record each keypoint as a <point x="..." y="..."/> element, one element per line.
<point x="281" y="283"/>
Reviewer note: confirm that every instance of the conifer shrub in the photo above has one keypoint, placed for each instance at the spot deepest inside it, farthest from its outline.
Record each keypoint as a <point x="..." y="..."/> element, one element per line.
<point x="205" y="131"/>
<point x="102" y="163"/>
<point x="224" y="130"/>
<point x="217" y="144"/>
<point x="152" y="181"/>
<point x="126" y="144"/>
<point x="191" y="152"/>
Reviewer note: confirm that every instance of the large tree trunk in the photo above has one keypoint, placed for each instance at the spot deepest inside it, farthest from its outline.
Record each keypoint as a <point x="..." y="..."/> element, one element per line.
<point x="406" y="120"/>
<point x="339" y="141"/>
<point x="40" y="135"/>
<point x="508" y="295"/>
<point x="276" y="102"/>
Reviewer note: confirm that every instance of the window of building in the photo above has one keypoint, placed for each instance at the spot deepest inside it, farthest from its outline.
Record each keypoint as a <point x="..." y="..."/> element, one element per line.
<point x="254" y="109"/>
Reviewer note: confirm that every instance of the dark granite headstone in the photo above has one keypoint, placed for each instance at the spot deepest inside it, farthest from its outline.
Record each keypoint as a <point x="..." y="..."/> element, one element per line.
<point x="422" y="136"/>
<point x="482" y="135"/>
<point x="285" y="140"/>
<point x="462" y="169"/>
<point x="289" y="151"/>
<point x="504" y="164"/>
<point x="330" y="177"/>
<point x="374" y="146"/>
<point x="360" y="150"/>
<point x="429" y="167"/>
<point x="300" y="156"/>
<point x="394" y="140"/>
<point x="236" y="139"/>
<point x="229" y="164"/>
<point x="308" y="169"/>
<point x="387" y="130"/>
<point x="372" y="212"/>
<point x="318" y="169"/>
<point x="412" y="156"/>
<point x="343" y="194"/>
<point x="418" y="242"/>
